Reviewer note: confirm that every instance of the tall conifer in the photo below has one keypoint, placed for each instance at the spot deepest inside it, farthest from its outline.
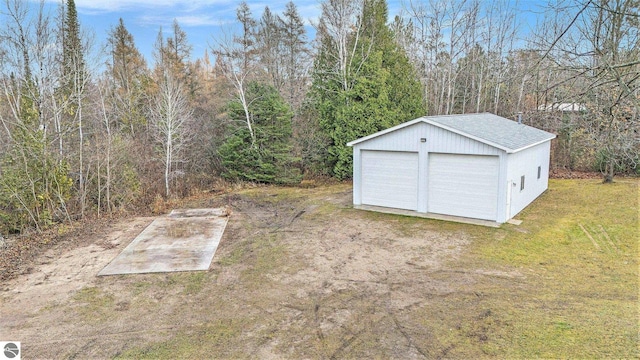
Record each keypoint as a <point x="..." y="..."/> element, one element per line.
<point x="381" y="88"/>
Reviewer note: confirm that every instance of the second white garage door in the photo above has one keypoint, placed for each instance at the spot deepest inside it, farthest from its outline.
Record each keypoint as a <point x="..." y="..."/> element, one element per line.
<point x="463" y="185"/>
<point x="390" y="179"/>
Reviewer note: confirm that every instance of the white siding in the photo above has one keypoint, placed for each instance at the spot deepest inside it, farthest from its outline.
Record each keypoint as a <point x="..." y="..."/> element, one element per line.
<point x="437" y="140"/>
<point x="464" y="185"/>
<point x="405" y="139"/>
<point x="390" y="179"/>
<point x="525" y="163"/>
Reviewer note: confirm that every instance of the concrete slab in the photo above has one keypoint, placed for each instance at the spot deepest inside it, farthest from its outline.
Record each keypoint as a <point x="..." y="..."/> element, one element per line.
<point x="185" y="240"/>
<point x="458" y="219"/>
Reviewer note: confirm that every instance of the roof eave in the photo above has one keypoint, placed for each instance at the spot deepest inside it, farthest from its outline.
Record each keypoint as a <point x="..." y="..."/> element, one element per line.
<point x="534" y="144"/>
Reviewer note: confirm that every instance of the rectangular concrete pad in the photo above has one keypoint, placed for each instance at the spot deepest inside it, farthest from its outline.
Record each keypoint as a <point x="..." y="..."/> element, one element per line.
<point x="186" y="240"/>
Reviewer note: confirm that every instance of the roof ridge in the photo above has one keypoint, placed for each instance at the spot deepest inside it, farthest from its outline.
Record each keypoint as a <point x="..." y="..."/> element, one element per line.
<point x="458" y="115"/>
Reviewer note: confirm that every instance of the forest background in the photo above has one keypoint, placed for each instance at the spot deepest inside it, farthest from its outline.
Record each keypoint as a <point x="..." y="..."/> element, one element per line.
<point x="93" y="129"/>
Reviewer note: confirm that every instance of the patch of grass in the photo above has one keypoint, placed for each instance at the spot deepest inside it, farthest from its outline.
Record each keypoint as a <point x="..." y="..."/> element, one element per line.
<point x="274" y="194"/>
<point x="236" y="255"/>
<point x="278" y="193"/>
<point x="191" y="282"/>
<point x="194" y="281"/>
<point x="267" y="256"/>
<point x="261" y="255"/>
<point x="325" y="209"/>
<point x="577" y="250"/>
<point x="139" y="287"/>
<point x="574" y="218"/>
<point x="95" y="305"/>
<point x="219" y="339"/>
<point x="261" y="250"/>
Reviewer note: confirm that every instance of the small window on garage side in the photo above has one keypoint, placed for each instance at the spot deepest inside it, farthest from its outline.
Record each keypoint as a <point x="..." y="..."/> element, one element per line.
<point x="521" y="182"/>
<point x="539" y="171"/>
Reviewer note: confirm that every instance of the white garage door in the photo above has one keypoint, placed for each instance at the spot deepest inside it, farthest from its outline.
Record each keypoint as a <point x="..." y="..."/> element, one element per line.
<point x="463" y="185"/>
<point x="390" y="179"/>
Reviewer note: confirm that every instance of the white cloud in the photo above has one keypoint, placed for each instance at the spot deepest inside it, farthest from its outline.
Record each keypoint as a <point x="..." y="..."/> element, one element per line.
<point x="183" y="20"/>
<point x="193" y="11"/>
<point x="199" y="20"/>
<point x="132" y="5"/>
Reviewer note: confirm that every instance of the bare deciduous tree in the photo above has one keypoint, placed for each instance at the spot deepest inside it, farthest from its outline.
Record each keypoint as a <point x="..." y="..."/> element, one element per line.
<point x="341" y="30"/>
<point x="170" y="117"/>
<point x="597" y="44"/>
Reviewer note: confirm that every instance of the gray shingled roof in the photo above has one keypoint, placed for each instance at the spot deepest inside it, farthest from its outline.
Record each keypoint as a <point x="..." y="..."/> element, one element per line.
<point x="487" y="128"/>
<point x="492" y="129"/>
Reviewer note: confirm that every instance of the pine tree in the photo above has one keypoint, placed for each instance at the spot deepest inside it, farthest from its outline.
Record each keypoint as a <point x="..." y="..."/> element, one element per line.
<point x="268" y="38"/>
<point x="129" y="73"/>
<point x="73" y="92"/>
<point x="377" y="90"/>
<point x="172" y="58"/>
<point x="295" y="54"/>
<point x="159" y="53"/>
<point x="235" y="61"/>
<point x="246" y="40"/>
<point x="178" y="53"/>
<point x="73" y="54"/>
<point x="267" y="159"/>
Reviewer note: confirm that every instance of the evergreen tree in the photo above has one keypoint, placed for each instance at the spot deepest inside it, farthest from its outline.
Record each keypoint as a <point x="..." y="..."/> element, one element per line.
<point x="172" y="58"/>
<point x="129" y="73"/>
<point x="72" y="53"/>
<point x="378" y="90"/>
<point x="268" y="39"/>
<point x="267" y="159"/>
<point x="247" y="39"/>
<point x="235" y="61"/>
<point x="295" y="54"/>
<point x="159" y="53"/>
<point x="75" y="78"/>
<point x="178" y="53"/>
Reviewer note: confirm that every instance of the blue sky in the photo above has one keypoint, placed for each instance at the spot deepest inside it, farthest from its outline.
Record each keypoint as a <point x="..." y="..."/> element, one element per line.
<point x="205" y="19"/>
<point x="201" y="19"/>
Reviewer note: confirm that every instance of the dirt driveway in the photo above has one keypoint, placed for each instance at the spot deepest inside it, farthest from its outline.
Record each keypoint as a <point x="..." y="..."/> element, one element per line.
<point x="298" y="274"/>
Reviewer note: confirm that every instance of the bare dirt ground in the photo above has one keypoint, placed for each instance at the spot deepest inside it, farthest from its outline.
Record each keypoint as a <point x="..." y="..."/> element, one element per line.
<point x="298" y="274"/>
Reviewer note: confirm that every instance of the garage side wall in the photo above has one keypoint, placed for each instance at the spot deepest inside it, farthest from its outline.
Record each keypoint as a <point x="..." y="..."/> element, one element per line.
<point x="525" y="163"/>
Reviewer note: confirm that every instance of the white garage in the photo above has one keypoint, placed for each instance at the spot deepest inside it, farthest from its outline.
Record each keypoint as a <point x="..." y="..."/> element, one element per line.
<point x="478" y="166"/>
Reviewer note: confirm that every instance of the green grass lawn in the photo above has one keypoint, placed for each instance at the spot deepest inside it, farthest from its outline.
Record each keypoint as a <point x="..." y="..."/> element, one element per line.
<point x="578" y="252"/>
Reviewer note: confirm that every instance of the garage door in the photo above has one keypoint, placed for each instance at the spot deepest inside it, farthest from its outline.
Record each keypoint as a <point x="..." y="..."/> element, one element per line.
<point x="390" y="179"/>
<point x="463" y="185"/>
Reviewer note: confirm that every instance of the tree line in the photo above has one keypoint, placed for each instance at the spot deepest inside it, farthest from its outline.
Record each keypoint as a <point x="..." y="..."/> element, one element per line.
<point x="267" y="104"/>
